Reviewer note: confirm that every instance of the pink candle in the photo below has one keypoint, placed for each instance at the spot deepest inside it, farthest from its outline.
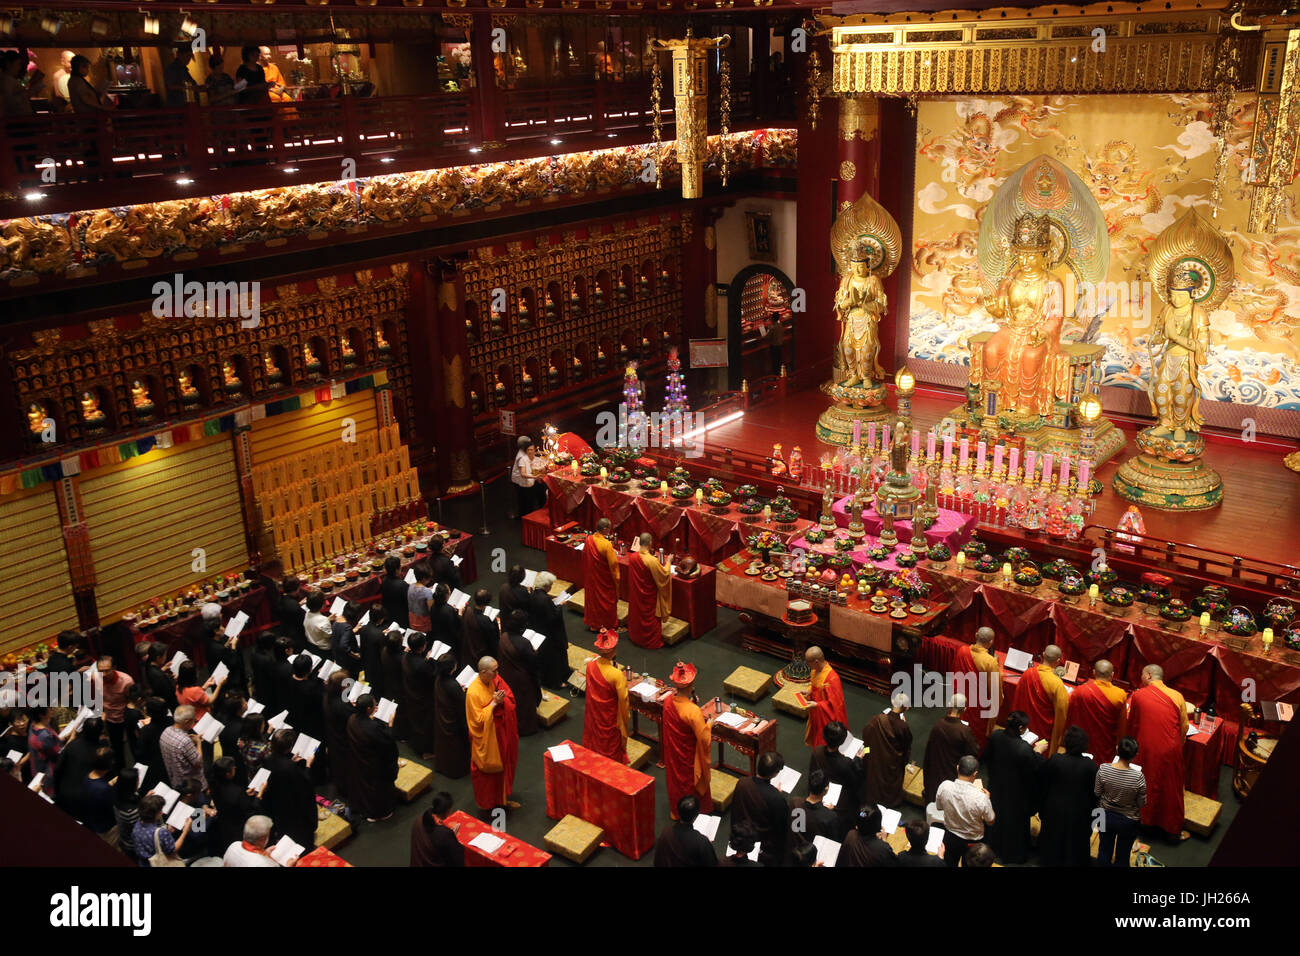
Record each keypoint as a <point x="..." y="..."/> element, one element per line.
<point x="1065" y="470"/>
<point x="1031" y="459"/>
<point x="929" y="445"/>
<point x="980" y="451"/>
<point x="1085" y="469"/>
<point x="1047" y="467"/>
<point x="997" y="457"/>
<point x="857" y="432"/>
<point x="916" y="442"/>
<point x="871" y="434"/>
<point x="947" y="448"/>
<point x="964" y="454"/>
<point x="1013" y="465"/>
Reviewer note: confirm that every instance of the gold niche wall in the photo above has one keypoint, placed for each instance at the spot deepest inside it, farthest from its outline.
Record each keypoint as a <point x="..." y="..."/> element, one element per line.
<point x="36" y="601"/>
<point x="645" y="257"/>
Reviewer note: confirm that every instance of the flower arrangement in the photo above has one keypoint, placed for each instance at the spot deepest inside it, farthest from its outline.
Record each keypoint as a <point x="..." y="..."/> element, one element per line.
<point x="1028" y="576"/>
<point x="1155" y="595"/>
<point x="1291" y="637"/>
<point x="880" y="553"/>
<point x="939" y="553"/>
<point x="682" y="491"/>
<point x="1176" y="611"/>
<point x="752" y="506"/>
<point x="906" y="559"/>
<point x="620" y="476"/>
<point x="1058" y="569"/>
<point x="649" y="484"/>
<point x="679" y="474"/>
<point x="715" y="497"/>
<point x="871" y="575"/>
<point x="1279" y="613"/>
<point x="747" y="491"/>
<point x="843" y="542"/>
<point x="1071" y="585"/>
<point x="785" y="516"/>
<point x="909" y="585"/>
<point x="815" y="536"/>
<point x="712" y="483"/>
<point x="763" y="541"/>
<point x="986" y="564"/>
<point x="782" y="503"/>
<point x="590" y="469"/>
<point x="974" y="548"/>
<point x="839" y="561"/>
<point x="1240" y="622"/>
<point x="642" y="472"/>
<point x="1103" y="577"/>
<point x="1016" y="556"/>
<point x="1118" y="597"/>
<point x="1216" y="606"/>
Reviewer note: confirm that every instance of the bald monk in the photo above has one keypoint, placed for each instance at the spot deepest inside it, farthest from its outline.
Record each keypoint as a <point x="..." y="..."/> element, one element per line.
<point x="889" y="747"/>
<point x="950" y="739"/>
<point x="649" y="595"/>
<point x="493" y="737"/>
<point x="1157" y="719"/>
<point x="600" y="580"/>
<point x="686" y="740"/>
<point x="604" y="728"/>
<point x="1097" y="707"/>
<point x="1042" y="695"/>
<point x="826" y="693"/>
<point x="980" y="677"/>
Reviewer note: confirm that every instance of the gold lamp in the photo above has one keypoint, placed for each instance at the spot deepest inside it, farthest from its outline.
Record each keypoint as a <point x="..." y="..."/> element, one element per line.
<point x="905" y="382"/>
<point x="1089" y="415"/>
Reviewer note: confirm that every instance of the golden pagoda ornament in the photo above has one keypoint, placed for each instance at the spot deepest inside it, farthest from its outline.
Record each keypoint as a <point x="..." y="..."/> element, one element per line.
<point x="691" y="103"/>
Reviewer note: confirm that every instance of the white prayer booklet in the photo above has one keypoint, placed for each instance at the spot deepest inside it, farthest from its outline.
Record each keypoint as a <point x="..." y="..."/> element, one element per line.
<point x="280" y="721"/>
<point x="752" y="854"/>
<point x="286" y="850"/>
<point x="315" y="661"/>
<point x="646" y="690"/>
<point x="174" y="665"/>
<point x="707" y="824"/>
<point x="169" y="796"/>
<point x="579" y="546"/>
<point x="219" y="673"/>
<point x="75" y="723"/>
<point x="730" y="719"/>
<point x="356" y="690"/>
<point x="560" y="752"/>
<point x="305" y="747"/>
<point x="438" y="649"/>
<point x="326" y="669"/>
<point x="832" y="797"/>
<point x="851" y="747"/>
<point x="456" y="559"/>
<point x="386" y="710"/>
<point x="828" y="851"/>
<point x="235" y="626"/>
<point x="530" y="578"/>
<point x="179" y="815"/>
<point x="458" y="599"/>
<point x="141" y="771"/>
<point x="1088" y="755"/>
<point x="209" y="728"/>
<point x="15" y="756"/>
<point x="254" y="707"/>
<point x="466" y="677"/>
<point x="37" y="780"/>
<point x="889" y="819"/>
<point x="406" y="638"/>
<point x="1029" y="737"/>
<point x="365" y="619"/>
<point x="562" y="599"/>
<point x="1018" y="660"/>
<point x="935" y="841"/>
<point x="533" y="638"/>
<point x="491" y="613"/>
<point x="392" y="627"/>
<point x="786" y="780"/>
<point x="260" y="780"/>
<point x="410" y="576"/>
<point x="487" y="842"/>
<point x="1193" y="730"/>
<point x="338" y="607"/>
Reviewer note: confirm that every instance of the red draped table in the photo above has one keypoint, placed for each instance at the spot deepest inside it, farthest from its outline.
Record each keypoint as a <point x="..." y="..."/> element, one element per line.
<point x="322" y="857"/>
<point x="515" y="852"/>
<point x="613" y="796"/>
<point x="536" y="526"/>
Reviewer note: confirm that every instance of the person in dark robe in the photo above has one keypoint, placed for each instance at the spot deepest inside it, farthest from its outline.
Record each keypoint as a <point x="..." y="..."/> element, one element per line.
<point x="289" y="614"/>
<point x="150" y="754"/>
<point x="848" y="772"/>
<point x="865" y="844"/>
<point x="261" y="662"/>
<point x="918" y="834"/>
<point x="374" y="761"/>
<point x="281" y="676"/>
<point x="372" y="640"/>
<point x="520" y="669"/>
<point x="289" y="798"/>
<point x="741" y="847"/>
<point x="304" y="699"/>
<point x="159" y="681"/>
<point x="74" y="765"/>
<point x="450" y="729"/>
<point x="233" y="803"/>
<point x="950" y="739"/>
<point x="419" y="680"/>
<point x="1012" y="767"/>
<point x="392" y="591"/>
<point x="761" y="806"/>
<point x="390" y="665"/>
<point x="336" y="714"/>
<point x="1068" y="803"/>
<point x="810" y="817"/>
<point x="444" y="622"/>
<point x="444" y="569"/>
<point x="680" y="844"/>
<point x="480" y="632"/>
<point x="888" y="740"/>
<point x="513" y="596"/>
<point x="229" y="709"/>
<point x="548" y="619"/>
<point x="345" y="642"/>
<point x="219" y="649"/>
<point x="433" y="840"/>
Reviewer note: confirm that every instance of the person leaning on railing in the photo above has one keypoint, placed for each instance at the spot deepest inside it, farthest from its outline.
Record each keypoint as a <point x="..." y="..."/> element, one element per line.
<point x="83" y="96"/>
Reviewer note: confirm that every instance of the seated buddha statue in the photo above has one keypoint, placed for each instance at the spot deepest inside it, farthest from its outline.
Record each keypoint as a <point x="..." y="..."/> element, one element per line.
<point x="230" y="377"/>
<point x="90" y="411"/>
<point x="36" y="417"/>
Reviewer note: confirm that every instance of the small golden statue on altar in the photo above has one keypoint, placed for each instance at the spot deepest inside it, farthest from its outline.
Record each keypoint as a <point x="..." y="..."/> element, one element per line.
<point x="230" y="378"/>
<point x="91" y="414"/>
<point x="309" y="359"/>
<point x="1180" y="347"/>
<point x="859" y="306"/>
<point x="827" y="519"/>
<point x="273" y="373"/>
<point x="36" y="418"/>
<point x="189" y="394"/>
<point x="381" y="343"/>
<point x="141" y="401"/>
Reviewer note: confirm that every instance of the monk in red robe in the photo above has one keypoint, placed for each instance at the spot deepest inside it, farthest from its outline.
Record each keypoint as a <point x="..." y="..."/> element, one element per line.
<point x="604" y="728"/>
<point x="686" y="740"/>
<point x="1098" y="708"/>
<point x="600" y="580"/>
<point x="1157" y="718"/>
<point x="978" y="677"/>
<point x="649" y="595"/>
<point x="827" y="696"/>
<point x="1042" y="695"/>
<point x="493" y="737"/>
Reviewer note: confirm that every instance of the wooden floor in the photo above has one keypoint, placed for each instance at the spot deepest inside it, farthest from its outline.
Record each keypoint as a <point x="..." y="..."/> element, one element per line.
<point x="1259" y="517"/>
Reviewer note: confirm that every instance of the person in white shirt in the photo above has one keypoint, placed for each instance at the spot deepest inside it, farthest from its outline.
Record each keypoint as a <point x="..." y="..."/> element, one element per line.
<point x="317" y="625"/>
<point x="966" y="809"/>
<point x="251" y="851"/>
<point x="521" y="475"/>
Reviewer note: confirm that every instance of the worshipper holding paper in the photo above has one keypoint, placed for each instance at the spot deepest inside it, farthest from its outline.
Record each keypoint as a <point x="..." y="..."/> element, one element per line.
<point x="1013" y="767"/>
<point x="152" y="836"/>
<point x="490" y="715"/>
<point x="261" y="662"/>
<point x="950" y="739"/>
<point x="374" y="763"/>
<point x="233" y="803"/>
<point x="180" y="755"/>
<point x="762" y="807"/>
<point x="150" y="739"/>
<point x="74" y="764"/>
<point x="685" y="743"/>
<point x="681" y="844"/>
<point x="444" y="622"/>
<point x="254" y="743"/>
<point x="649" y="594"/>
<point x="419" y="598"/>
<point x="742" y="845"/>
<point x="451" y="731"/>
<point x="918" y="835"/>
<point x="229" y="710"/>
<point x="889" y="747"/>
<point x="345" y="644"/>
<point x="418" y="682"/>
<point x="513" y="596"/>
<point x="966" y="809"/>
<point x="190" y="692"/>
<point x="600" y="577"/>
<point x="394" y="682"/>
<point x="250" y="850"/>
<point x="97" y="797"/>
<point x="160" y="681"/>
<point x="480" y="634"/>
<point x="392" y="591"/>
<point x="1157" y="720"/>
<point x="1042" y="695"/>
<point x="290" y="798"/>
<point x="978" y="666"/>
<point x="865" y="844"/>
<point x="316" y="624"/>
<point x="1122" y="791"/>
<point x="289" y="614"/>
<point x="337" y="712"/>
<point x="43" y="746"/>
<point x="281" y="676"/>
<point x="433" y="842"/>
<point x="605" y="721"/>
<point x="810" y="817"/>
<point x="126" y="808"/>
<point x="548" y="618"/>
<point x="1068" y="802"/>
<point x="826" y="694"/>
<point x="306" y="699"/>
<point x="520" y="670"/>
<point x="220" y="649"/>
<point x="1097" y="708"/>
<point x="372" y="640"/>
<point x="114" y="686"/>
<point x="848" y="772"/>
<point x="440" y="563"/>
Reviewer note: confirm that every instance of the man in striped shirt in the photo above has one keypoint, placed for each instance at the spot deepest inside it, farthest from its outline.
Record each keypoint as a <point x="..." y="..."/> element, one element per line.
<point x="180" y="755"/>
<point x="1123" y="792"/>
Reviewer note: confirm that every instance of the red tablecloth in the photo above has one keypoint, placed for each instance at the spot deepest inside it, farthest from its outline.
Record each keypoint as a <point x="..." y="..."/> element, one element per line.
<point x="515" y="852"/>
<point x="536" y="526"/>
<point x="322" y="857"/>
<point x="611" y="795"/>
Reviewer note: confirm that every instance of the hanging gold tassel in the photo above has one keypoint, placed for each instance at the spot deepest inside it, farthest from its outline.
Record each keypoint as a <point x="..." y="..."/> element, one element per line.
<point x="814" y="87"/>
<point x="656" y="94"/>
<point x="724" y="94"/>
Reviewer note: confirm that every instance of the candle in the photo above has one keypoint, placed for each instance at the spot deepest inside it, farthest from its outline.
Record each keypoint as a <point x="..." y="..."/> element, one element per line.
<point x="947" y="448"/>
<point x="997" y="457"/>
<point x="916" y="442"/>
<point x="1006" y="571"/>
<point x="767" y="512"/>
<point x="981" y="450"/>
<point x="1013" y="464"/>
<point x="1031" y="459"/>
<point x="1047" y="468"/>
<point x="1065" y="470"/>
<point x="857" y="432"/>
<point x="961" y="561"/>
<point x="604" y="473"/>
<point x="871" y="435"/>
<point x="1268" y="637"/>
<point x="575" y="468"/>
<point x="1093" y="591"/>
<point x="1085" y="469"/>
<point x="884" y="438"/>
<point x="1205" y="620"/>
<point x="663" y="487"/>
<point x="929" y="445"/>
<point x="964" y="455"/>
<point x="699" y="494"/>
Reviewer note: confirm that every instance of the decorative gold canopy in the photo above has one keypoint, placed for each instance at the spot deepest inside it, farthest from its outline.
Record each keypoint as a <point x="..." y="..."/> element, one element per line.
<point x="865" y="230"/>
<point x="1191" y="243"/>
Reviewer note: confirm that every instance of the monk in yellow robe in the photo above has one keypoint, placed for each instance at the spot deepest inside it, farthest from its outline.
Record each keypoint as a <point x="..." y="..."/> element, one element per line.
<point x="493" y="737"/>
<point x="605" y="724"/>
<point x="1097" y="707"/>
<point x="1042" y="695"/>
<point x="685" y="743"/>
<point x="981" y="674"/>
<point x="827" y="696"/>
<point x="274" y="78"/>
<point x="649" y="595"/>
<point x="600" y="580"/>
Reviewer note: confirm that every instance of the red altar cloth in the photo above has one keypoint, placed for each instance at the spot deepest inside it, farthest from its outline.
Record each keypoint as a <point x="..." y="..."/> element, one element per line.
<point x="609" y="794"/>
<point x="322" y="857"/>
<point x="535" y="528"/>
<point x="515" y="852"/>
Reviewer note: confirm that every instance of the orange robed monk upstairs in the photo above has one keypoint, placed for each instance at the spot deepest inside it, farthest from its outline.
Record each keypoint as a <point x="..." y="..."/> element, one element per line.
<point x="493" y="737"/>
<point x="978" y="668"/>
<point x="826" y="693"/>
<point x="686" y="740"/>
<point x="1098" y="708"/>
<point x="649" y="595"/>
<point x="604" y="729"/>
<point x="1042" y="695"/>
<point x="600" y="572"/>
<point x="1157" y="719"/>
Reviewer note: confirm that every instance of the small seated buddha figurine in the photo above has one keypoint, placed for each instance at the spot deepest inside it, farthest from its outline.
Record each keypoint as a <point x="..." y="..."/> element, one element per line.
<point x="381" y="343"/>
<point x="230" y="377"/>
<point x="522" y="310"/>
<point x="140" y="399"/>
<point x="36" y="417"/>
<point x="273" y="373"/>
<point x="549" y="306"/>
<point x="90" y="411"/>
<point x="189" y="394"/>
<point x="309" y="358"/>
<point x="349" y="354"/>
<point x="778" y="460"/>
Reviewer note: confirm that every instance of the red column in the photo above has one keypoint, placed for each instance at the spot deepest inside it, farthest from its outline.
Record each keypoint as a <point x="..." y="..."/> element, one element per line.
<point x="485" y="78"/>
<point x="859" y="148"/>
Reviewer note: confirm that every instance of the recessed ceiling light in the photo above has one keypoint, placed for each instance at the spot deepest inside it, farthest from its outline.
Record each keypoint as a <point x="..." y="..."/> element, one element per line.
<point x="386" y="159"/>
<point x="188" y="26"/>
<point x="33" y="196"/>
<point x="555" y="142"/>
<point x="474" y="149"/>
<point x="289" y="169"/>
<point x="184" y="181"/>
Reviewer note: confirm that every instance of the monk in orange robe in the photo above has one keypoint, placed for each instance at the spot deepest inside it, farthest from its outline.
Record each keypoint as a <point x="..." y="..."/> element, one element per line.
<point x="826" y="693"/>
<point x="649" y="595"/>
<point x="604" y="728"/>
<point x="493" y="737"/>
<point x="1157" y="718"/>
<point x="274" y="78"/>
<point x="600" y="580"/>
<point x="1098" y="708"/>
<point x="980" y="676"/>
<point x="686" y="740"/>
<point x="1042" y="695"/>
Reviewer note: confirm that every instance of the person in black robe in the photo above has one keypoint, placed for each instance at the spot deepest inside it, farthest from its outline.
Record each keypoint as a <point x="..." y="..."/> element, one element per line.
<point x="345" y="644"/>
<point x="741" y="846"/>
<point x="392" y="592"/>
<point x="390" y="665"/>
<point x="281" y="676"/>
<point x="1012" y="767"/>
<point x="159" y="681"/>
<point x="680" y="844"/>
<point x="450" y="728"/>
<point x="233" y="803"/>
<point x="433" y="842"/>
<point x="290" y="798"/>
<point x="519" y="669"/>
<point x="419" y="680"/>
<point x="444" y="622"/>
<point x="74" y="764"/>
<point x="848" y="772"/>
<point x="865" y="844"/>
<point x="918" y="834"/>
<point x="1067" y="804"/>
<point x="810" y="817"/>
<point x="549" y="620"/>
<point x="440" y="563"/>
<point x="950" y="740"/>
<point x="372" y="648"/>
<point x="219" y="649"/>
<point x="337" y="711"/>
<point x="262" y="664"/>
<point x="761" y="806"/>
<point x="513" y="596"/>
<point x="374" y="762"/>
<point x="480" y="634"/>
<point x="150" y="754"/>
<point x="229" y="709"/>
<point x="306" y="706"/>
<point x="288" y="613"/>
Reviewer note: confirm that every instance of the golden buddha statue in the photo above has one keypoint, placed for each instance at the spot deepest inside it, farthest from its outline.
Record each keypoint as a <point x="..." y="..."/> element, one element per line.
<point x="188" y="391"/>
<point x="90" y="412"/>
<point x="1023" y="357"/>
<point x="140" y="396"/>
<point x="36" y="417"/>
<point x="859" y="305"/>
<point x="309" y="357"/>
<point x="228" y="374"/>
<point x="1180" y="346"/>
<point x="272" y="370"/>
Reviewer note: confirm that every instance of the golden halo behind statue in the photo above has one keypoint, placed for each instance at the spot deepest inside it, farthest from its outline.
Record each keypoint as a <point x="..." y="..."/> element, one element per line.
<point x="866" y="231"/>
<point x="1192" y="243"/>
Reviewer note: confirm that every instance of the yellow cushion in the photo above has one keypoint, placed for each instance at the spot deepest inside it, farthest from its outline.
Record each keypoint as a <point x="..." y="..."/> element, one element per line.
<point x="574" y="839"/>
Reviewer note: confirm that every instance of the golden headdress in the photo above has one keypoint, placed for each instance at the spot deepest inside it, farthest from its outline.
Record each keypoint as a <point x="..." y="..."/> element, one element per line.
<point x="866" y="232"/>
<point x="1191" y="254"/>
